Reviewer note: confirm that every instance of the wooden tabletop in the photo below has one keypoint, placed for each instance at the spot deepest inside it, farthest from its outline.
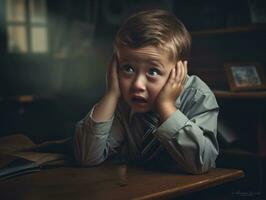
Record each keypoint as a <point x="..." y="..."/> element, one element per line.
<point x="111" y="181"/>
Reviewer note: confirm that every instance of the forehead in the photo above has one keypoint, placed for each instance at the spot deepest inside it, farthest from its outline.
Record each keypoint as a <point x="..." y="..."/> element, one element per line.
<point x="148" y="53"/>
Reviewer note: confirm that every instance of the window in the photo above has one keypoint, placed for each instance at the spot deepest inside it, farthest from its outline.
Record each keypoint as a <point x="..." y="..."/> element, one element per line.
<point x="26" y="26"/>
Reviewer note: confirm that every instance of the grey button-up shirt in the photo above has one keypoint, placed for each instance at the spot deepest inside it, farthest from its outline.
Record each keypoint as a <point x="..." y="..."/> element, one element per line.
<point x="189" y="135"/>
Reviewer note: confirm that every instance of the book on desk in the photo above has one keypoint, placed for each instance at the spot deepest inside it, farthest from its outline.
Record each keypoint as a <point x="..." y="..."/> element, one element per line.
<point x="19" y="155"/>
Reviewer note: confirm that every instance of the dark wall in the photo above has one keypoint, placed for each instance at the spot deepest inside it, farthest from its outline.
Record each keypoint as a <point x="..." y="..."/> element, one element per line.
<point x="210" y="52"/>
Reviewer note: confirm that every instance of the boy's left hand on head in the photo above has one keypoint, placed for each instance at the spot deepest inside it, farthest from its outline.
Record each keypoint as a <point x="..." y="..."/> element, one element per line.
<point x="165" y="102"/>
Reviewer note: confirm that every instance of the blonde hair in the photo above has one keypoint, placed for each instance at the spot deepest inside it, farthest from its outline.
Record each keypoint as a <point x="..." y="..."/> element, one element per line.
<point x="158" y="28"/>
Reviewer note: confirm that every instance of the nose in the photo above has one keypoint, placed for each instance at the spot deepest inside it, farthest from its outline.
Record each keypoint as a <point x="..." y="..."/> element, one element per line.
<point x="138" y="84"/>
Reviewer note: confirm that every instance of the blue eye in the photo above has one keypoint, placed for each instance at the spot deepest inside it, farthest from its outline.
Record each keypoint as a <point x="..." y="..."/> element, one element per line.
<point x="153" y="72"/>
<point x="128" y="69"/>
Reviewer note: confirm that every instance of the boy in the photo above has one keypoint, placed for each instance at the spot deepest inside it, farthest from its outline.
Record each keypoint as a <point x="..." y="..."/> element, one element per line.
<point x="152" y="111"/>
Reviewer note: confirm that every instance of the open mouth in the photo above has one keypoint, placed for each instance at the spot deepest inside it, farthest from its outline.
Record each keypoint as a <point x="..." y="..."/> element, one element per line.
<point x="138" y="100"/>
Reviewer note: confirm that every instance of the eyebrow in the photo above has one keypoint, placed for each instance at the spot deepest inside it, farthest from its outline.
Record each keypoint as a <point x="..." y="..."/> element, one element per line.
<point x="157" y="63"/>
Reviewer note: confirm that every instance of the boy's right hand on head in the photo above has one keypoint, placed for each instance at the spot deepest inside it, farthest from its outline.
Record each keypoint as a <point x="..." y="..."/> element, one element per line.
<point x="112" y="77"/>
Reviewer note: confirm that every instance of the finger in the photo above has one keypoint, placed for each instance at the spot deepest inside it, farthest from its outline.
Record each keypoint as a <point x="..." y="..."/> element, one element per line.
<point x="185" y="67"/>
<point x="113" y="61"/>
<point x="172" y="76"/>
<point x="117" y="63"/>
<point x="111" y="69"/>
<point x="180" y="72"/>
<point x="184" y="72"/>
<point x="114" y="64"/>
<point x="177" y="70"/>
<point x="110" y="66"/>
<point x="185" y="75"/>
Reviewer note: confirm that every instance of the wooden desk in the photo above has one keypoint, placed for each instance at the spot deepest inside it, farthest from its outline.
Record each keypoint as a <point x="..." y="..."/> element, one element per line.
<point x="111" y="182"/>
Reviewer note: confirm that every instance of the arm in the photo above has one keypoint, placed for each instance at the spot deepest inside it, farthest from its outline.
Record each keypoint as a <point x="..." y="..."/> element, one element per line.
<point x="190" y="135"/>
<point x="104" y="110"/>
<point x="93" y="140"/>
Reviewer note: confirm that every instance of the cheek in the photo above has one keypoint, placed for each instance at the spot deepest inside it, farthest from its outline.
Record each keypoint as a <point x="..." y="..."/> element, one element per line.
<point x="157" y="87"/>
<point x="124" y="84"/>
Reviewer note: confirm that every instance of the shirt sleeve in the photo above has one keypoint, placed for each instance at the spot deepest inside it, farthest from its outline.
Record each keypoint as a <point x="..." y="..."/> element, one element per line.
<point x="95" y="141"/>
<point x="190" y="135"/>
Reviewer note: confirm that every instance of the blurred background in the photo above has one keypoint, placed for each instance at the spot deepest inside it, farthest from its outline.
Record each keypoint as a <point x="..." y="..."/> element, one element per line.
<point x="53" y="57"/>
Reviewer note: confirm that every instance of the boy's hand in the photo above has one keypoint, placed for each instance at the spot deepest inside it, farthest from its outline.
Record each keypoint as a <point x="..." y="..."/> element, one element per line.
<point x="105" y="108"/>
<point x="112" y="78"/>
<point x="165" y="102"/>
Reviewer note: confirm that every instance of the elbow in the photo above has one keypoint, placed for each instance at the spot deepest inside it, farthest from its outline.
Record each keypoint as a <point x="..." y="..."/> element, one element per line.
<point x="205" y="165"/>
<point x="194" y="168"/>
<point x="202" y="166"/>
<point x="205" y="162"/>
<point x="89" y="159"/>
<point x="86" y="153"/>
<point x="200" y="170"/>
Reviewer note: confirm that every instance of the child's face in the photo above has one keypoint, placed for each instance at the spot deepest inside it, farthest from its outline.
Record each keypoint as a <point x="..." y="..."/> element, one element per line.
<point x="142" y="74"/>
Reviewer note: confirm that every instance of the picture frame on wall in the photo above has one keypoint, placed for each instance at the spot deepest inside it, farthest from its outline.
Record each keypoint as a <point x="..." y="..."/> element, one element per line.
<point x="245" y="76"/>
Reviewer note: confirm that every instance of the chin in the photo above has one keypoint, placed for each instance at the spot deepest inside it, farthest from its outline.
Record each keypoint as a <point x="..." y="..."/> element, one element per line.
<point x="139" y="109"/>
